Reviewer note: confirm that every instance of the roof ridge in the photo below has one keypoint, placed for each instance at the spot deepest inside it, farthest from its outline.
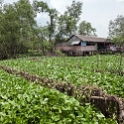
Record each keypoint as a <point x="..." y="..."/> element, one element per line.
<point x="89" y="36"/>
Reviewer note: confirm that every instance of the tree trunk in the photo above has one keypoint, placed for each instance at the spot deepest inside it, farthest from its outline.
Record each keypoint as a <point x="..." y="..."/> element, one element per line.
<point x="51" y="30"/>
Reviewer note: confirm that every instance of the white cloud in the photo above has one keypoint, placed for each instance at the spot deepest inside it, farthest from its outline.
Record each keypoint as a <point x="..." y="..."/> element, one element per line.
<point x="120" y="0"/>
<point x="60" y="5"/>
<point x="99" y="13"/>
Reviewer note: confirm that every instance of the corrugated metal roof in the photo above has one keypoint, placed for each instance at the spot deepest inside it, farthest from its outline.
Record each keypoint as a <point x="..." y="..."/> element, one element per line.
<point x="86" y="39"/>
<point x="92" y="39"/>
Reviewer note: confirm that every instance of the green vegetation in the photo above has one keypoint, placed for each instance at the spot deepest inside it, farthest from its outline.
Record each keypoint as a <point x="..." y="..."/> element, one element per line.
<point x="20" y="33"/>
<point x="85" y="28"/>
<point x="116" y="30"/>
<point x="77" y="70"/>
<point x="22" y="102"/>
<point x="26" y="102"/>
<point x="16" y="28"/>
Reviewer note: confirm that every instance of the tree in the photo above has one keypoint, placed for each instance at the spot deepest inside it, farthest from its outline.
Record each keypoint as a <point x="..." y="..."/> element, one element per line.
<point x="116" y="33"/>
<point x="65" y="26"/>
<point x="17" y="21"/>
<point x="116" y="30"/>
<point x="73" y="14"/>
<point x="43" y="7"/>
<point x="67" y="23"/>
<point x="85" y="28"/>
<point x="41" y="39"/>
<point x="75" y="10"/>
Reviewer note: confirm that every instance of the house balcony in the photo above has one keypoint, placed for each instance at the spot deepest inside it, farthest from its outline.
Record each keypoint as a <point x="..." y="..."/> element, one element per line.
<point x="77" y="48"/>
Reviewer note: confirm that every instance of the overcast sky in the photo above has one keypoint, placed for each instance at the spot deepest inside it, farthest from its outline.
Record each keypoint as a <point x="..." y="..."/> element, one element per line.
<point x="97" y="12"/>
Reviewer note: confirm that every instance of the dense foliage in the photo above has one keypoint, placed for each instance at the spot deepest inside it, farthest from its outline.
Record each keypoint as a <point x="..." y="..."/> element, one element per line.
<point x="79" y="70"/>
<point x="17" y="21"/>
<point x="22" y="102"/>
<point x="85" y="28"/>
<point x="116" y="30"/>
<point x="20" y="33"/>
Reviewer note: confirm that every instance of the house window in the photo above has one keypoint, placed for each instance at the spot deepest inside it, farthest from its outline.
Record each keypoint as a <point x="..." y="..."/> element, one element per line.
<point x="83" y="43"/>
